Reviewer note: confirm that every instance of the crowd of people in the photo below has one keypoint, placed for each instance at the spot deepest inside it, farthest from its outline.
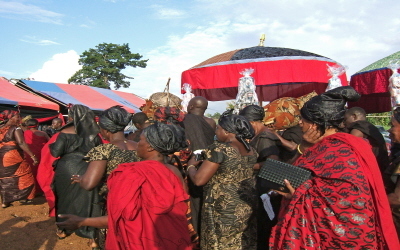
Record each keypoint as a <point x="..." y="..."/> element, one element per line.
<point x="183" y="181"/>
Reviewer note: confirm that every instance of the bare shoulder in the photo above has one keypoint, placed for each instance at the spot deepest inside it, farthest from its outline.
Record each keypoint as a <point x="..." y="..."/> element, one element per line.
<point x="357" y="133"/>
<point x="210" y="121"/>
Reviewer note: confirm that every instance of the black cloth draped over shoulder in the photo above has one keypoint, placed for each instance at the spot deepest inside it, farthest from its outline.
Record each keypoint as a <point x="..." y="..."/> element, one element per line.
<point x="198" y="132"/>
<point x="376" y="140"/>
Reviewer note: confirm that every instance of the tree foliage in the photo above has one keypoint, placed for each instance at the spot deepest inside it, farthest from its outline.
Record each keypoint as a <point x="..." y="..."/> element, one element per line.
<point x="382" y="119"/>
<point x="214" y="116"/>
<point x="102" y="66"/>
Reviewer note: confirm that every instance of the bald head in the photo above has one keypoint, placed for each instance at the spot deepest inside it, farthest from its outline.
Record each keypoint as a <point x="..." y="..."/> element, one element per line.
<point x="197" y="105"/>
<point x="354" y="114"/>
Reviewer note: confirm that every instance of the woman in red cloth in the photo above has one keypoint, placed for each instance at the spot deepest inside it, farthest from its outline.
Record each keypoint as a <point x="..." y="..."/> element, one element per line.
<point x="344" y="205"/>
<point x="147" y="200"/>
<point x="36" y="140"/>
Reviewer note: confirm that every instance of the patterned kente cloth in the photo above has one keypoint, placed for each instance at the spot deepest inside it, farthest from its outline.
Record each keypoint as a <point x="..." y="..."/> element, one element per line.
<point x="344" y="206"/>
<point x="228" y="219"/>
<point x="16" y="178"/>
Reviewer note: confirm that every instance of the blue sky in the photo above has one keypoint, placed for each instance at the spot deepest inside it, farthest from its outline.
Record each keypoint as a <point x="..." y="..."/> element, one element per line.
<point x="44" y="38"/>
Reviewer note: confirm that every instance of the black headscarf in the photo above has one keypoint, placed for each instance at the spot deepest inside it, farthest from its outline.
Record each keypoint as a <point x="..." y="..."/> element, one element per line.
<point x="114" y="119"/>
<point x="253" y="113"/>
<point x="238" y="125"/>
<point x="165" y="138"/>
<point x="328" y="109"/>
<point x="84" y="123"/>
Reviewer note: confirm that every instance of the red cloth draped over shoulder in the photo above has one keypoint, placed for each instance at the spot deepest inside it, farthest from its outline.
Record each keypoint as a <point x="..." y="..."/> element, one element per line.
<point x="343" y="206"/>
<point x="146" y="208"/>
<point x="35" y="143"/>
<point x="45" y="175"/>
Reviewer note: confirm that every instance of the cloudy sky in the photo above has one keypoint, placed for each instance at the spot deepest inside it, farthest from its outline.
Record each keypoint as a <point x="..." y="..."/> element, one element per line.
<point x="44" y="38"/>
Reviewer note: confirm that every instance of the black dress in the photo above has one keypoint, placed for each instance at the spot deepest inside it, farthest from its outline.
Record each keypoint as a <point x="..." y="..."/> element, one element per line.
<point x="71" y="198"/>
<point x="266" y="144"/>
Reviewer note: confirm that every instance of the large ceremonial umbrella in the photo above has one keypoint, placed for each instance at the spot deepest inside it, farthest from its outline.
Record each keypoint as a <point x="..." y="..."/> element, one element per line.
<point x="372" y="83"/>
<point x="278" y="72"/>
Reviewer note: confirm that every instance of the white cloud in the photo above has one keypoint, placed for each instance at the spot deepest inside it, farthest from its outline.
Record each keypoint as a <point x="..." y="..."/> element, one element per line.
<point x="59" y="68"/>
<point x="88" y="23"/>
<point x="6" y="73"/>
<point x="17" y="10"/>
<point x="343" y="32"/>
<point x="34" y="40"/>
<point x="167" y="13"/>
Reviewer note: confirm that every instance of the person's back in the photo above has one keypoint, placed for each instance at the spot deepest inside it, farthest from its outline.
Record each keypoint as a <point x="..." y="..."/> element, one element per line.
<point x="200" y="132"/>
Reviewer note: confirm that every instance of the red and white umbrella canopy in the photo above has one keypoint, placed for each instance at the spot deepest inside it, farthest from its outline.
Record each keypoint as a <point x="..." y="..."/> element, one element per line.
<point x="278" y="72"/>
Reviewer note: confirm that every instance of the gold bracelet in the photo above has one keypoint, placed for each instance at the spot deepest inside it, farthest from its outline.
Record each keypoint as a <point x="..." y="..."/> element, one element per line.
<point x="298" y="149"/>
<point x="187" y="169"/>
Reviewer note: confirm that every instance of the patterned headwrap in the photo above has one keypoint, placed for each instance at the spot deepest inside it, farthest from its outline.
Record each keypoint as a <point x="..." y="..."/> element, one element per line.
<point x="238" y="125"/>
<point x="164" y="138"/>
<point x="169" y="115"/>
<point x="7" y="115"/>
<point x="115" y="119"/>
<point x="328" y="109"/>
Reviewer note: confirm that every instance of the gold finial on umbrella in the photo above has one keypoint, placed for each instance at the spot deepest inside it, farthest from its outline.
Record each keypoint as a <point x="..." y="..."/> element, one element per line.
<point x="262" y="39"/>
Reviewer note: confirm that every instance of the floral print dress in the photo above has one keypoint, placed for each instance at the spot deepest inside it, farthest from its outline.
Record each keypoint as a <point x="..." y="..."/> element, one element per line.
<point x="228" y="218"/>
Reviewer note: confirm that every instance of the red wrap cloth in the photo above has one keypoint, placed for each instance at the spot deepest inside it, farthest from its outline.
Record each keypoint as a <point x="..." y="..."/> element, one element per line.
<point x="146" y="207"/>
<point x="35" y="143"/>
<point x="344" y="206"/>
<point x="45" y="175"/>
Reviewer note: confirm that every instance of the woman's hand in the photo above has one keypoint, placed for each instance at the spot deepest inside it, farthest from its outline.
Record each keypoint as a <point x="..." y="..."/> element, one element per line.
<point x="291" y="190"/>
<point x="312" y="135"/>
<point x="73" y="222"/>
<point x="35" y="160"/>
<point x="192" y="161"/>
<point x="76" y="178"/>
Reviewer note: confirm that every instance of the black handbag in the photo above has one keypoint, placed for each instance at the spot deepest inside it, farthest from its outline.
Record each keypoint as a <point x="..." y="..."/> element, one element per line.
<point x="274" y="172"/>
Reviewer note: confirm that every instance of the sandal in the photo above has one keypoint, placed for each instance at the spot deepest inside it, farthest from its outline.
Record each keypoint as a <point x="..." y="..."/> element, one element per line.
<point x="61" y="234"/>
<point x="5" y="205"/>
<point x="26" y="201"/>
<point x="93" y="244"/>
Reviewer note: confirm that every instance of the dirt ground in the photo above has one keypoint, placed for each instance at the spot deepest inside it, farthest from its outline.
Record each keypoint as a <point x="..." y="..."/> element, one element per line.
<point x="30" y="227"/>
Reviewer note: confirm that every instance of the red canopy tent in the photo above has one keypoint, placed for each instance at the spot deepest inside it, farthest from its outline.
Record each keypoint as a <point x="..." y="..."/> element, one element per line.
<point x="97" y="99"/>
<point x="278" y="72"/>
<point x="372" y="83"/>
<point x="14" y="98"/>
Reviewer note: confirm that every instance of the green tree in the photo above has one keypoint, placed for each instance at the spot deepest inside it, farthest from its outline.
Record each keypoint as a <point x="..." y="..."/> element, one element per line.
<point x="102" y="66"/>
<point x="214" y="116"/>
<point x="382" y="119"/>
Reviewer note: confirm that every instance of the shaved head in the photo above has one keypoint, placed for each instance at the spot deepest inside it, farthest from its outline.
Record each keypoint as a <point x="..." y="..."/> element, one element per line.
<point x="357" y="111"/>
<point x="197" y="105"/>
<point x="354" y="114"/>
